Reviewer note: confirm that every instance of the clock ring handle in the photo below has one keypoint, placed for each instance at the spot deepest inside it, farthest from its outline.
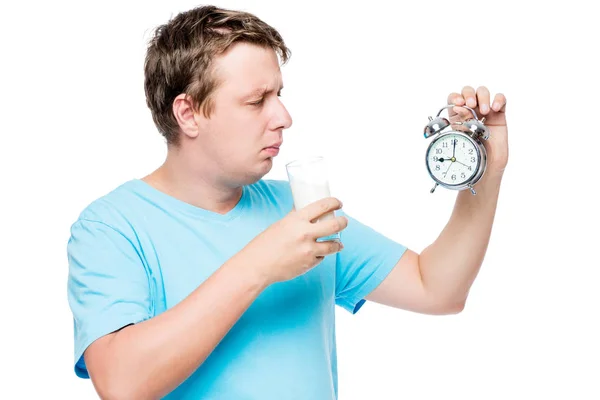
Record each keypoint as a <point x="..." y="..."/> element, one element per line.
<point x="452" y="106"/>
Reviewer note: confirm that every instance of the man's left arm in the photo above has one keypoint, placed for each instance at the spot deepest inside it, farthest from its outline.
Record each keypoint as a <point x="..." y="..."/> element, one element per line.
<point x="438" y="280"/>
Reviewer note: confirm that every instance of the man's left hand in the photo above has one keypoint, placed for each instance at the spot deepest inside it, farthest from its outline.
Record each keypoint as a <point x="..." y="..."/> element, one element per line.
<point x="495" y="119"/>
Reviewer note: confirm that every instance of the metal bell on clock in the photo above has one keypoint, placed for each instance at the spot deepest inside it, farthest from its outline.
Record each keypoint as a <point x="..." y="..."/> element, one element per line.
<point x="477" y="128"/>
<point x="435" y="125"/>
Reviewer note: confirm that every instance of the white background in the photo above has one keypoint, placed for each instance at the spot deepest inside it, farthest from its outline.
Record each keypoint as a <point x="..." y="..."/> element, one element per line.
<point x="360" y="84"/>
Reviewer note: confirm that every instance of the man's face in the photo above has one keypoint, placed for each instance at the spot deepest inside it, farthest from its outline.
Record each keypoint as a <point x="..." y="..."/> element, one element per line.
<point x="244" y="131"/>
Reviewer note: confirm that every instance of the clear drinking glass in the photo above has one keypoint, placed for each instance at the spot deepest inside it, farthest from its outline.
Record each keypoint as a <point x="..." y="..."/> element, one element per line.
<point x="309" y="182"/>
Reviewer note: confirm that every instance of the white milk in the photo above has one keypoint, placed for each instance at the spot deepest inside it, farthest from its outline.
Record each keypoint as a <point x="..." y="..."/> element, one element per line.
<point x="305" y="193"/>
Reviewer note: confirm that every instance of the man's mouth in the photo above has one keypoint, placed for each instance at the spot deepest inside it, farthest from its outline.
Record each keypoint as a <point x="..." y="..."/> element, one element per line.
<point x="272" y="151"/>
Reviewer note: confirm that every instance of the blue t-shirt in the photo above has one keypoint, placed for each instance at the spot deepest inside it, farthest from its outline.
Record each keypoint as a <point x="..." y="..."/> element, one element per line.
<point x="137" y="252"/>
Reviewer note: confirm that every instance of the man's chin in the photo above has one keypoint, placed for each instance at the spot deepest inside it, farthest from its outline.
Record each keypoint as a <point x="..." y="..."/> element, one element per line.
<point x="263" y="168"/>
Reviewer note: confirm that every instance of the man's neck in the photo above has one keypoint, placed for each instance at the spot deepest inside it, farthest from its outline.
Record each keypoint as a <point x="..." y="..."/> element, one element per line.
<point x="179" y="180"/>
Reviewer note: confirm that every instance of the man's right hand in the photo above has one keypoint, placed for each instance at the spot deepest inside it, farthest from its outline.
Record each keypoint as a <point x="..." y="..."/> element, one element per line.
<point x="288" y="248"/>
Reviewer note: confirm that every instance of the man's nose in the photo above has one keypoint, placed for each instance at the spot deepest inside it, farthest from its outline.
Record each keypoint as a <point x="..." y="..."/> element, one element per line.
<point x="282" y="117"/>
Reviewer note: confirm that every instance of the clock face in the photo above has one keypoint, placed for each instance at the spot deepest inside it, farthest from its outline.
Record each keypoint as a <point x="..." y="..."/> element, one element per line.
<point x="453" y="159"/>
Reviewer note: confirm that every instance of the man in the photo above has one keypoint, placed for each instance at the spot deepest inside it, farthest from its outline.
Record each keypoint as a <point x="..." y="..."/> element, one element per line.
<point x="201" y="280"/>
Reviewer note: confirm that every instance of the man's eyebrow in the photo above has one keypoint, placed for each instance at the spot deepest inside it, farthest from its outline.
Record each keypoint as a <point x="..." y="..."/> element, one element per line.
<point x="263" y="91"/>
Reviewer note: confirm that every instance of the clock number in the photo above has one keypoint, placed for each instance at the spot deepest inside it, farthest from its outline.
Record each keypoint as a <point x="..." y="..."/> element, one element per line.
<point x="453" y="177"/>
<point x="438" y="151"/>
<point x="472" y="159"/>
<point x="437" y="167"/>
<point x="470" y="151"/>
<point x="435" y="158"/>
<point x="462" y="175"/>
<point x="445" y="145"/>
<point x="470" y="168"/>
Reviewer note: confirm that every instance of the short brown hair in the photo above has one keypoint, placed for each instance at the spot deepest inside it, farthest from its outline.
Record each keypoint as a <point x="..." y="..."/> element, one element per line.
<point x="180" y="56"/>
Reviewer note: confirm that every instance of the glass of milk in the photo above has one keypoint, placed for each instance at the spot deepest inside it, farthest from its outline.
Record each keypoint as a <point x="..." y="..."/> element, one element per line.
<point x="309" y="182"/>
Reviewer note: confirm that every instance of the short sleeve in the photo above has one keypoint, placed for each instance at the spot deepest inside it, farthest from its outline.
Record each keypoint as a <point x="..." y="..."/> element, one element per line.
<point x="108" y="287"/>
<point x="366" y="260"/>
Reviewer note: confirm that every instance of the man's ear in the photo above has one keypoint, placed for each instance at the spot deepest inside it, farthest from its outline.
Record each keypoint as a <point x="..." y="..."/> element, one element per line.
<point x="186" y="116"/>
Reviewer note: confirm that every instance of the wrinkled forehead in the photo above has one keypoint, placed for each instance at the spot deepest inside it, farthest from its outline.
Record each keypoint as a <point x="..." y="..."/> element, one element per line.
<point x="246" y="67"/>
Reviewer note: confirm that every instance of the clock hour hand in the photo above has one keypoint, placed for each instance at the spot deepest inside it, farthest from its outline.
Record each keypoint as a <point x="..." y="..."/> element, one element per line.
<point x="442" y="159"/>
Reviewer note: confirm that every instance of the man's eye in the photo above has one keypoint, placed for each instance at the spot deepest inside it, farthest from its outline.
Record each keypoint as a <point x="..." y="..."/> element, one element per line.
<point x="258" y="103"/>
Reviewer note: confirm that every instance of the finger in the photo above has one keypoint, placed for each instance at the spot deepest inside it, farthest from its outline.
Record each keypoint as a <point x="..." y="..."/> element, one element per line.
<point x="320" y="207"/>
<point x="329" y="226"/>
<point x="483" y="99"/>
<point x="456" y="99"/>
<point x="469" y="94"/>
<point x="329" y="247"/>
<point x="499" y="104"/>
<point x="462" y="113"/>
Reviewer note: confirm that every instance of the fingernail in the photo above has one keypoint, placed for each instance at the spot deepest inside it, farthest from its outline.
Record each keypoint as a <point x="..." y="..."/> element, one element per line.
<point x="484" y="108"/>
<point x="496" y="106"/>
<point x="472" y="102"/>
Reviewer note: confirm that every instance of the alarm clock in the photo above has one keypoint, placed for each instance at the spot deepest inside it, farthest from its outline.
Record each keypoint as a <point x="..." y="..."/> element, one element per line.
<point x="456" y="157"/>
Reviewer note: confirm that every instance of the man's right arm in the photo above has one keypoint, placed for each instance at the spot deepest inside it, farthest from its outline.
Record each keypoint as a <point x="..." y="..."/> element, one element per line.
<point x="150" y="359"/>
